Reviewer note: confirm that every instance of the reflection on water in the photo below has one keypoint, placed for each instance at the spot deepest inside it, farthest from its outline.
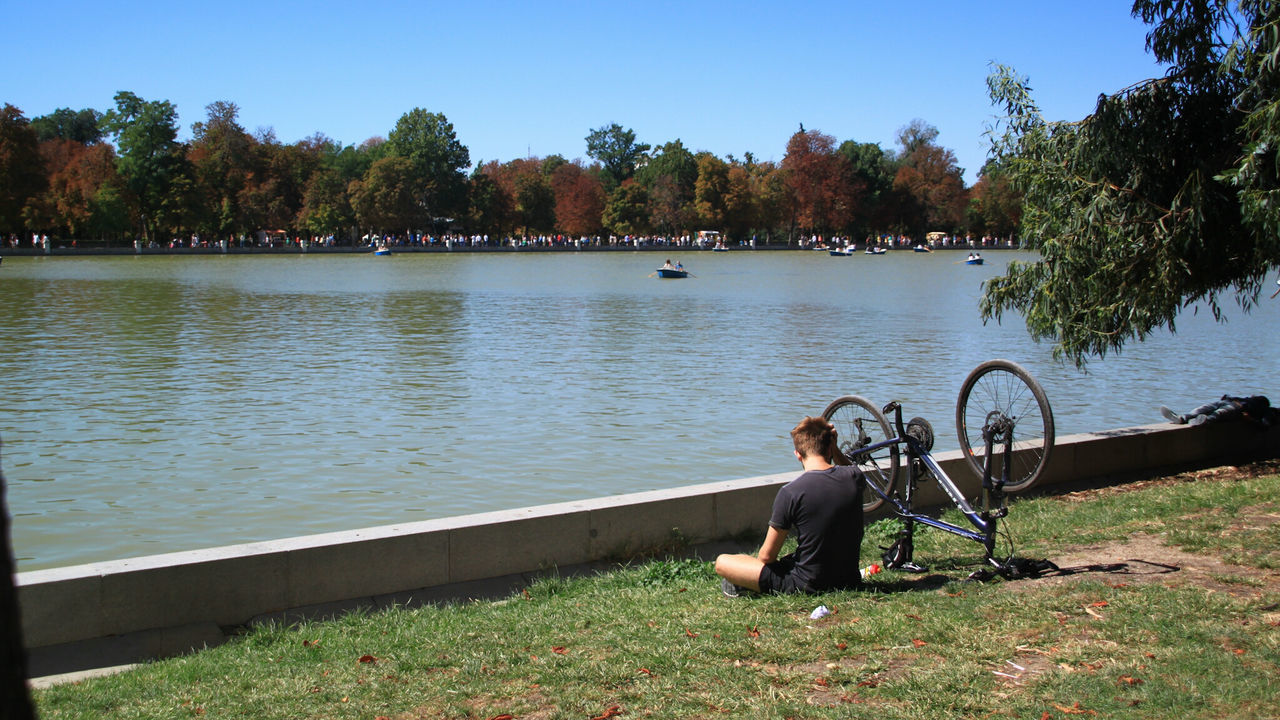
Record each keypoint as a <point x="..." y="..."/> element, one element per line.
<point x="165" y="403"/>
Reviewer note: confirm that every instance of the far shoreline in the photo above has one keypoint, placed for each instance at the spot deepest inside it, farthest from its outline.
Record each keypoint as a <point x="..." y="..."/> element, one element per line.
<point x="441" y="249"/>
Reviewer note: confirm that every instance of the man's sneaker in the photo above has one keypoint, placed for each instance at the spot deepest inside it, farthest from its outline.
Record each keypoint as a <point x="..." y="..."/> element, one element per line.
<point x="1198" y="420"/>
<point x="729" y="589"/>
<point x="1172" y="416"/>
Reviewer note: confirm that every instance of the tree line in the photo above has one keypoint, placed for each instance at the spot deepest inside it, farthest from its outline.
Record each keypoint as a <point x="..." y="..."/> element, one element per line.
<point x="123" y="174"/>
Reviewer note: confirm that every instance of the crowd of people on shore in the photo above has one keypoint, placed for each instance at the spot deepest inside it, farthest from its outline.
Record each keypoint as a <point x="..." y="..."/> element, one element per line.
<point x="282" y="240"/>
<point x="934" y="240"/>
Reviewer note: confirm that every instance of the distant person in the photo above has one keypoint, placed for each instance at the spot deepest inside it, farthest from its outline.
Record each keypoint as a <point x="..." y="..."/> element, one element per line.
<point x="1255" y="408"/>
<point x="667" y="265"/>
<point x="823" y="507"/>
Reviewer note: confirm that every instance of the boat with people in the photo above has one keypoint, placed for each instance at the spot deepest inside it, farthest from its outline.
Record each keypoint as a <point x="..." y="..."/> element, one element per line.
<point x="381" y="250"/>
<point x="669" y="270"/>
<point x="842" y="252"/>
<point x="973" y="259"/>
<point x="874" y="250"/>
<point x="922" y="248"/>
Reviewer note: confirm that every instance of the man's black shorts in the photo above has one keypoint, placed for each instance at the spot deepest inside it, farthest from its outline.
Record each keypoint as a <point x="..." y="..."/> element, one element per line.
<point x="779" y="577"/>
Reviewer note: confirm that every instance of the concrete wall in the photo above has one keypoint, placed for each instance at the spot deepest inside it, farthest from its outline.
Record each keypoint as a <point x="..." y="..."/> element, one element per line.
<point x="125" y="610"/>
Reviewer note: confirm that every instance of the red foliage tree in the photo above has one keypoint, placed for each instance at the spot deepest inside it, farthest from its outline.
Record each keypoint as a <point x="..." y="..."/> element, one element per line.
<point x="819" y="180"/>
<point x="579" y="200"/>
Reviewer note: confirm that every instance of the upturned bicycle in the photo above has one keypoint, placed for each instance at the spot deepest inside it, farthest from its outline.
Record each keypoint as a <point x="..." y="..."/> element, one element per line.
<point x="1006" y="433"/>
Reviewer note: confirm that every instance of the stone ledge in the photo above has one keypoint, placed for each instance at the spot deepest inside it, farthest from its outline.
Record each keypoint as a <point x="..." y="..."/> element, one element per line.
<point x="121" y="611"/>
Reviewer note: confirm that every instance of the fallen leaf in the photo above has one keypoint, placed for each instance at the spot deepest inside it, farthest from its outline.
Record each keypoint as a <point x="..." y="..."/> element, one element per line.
<point x="611" y="711"/>
<point x="526" y="594"/>
<point x="690" y="633"/>
<point x="504" y="716"/>
<point x="1100" y="603"/>
<point x="868" y="683"/>
<point x="310" y="643"/>
<point x="915" y="617"/>
<point x="368" y="659"/>
<point x="345" y="699"/>
<point x="754" y="632"/>
<point x="822" y="681"/>
<point x="919" y="643"/>
<point x="1238" y="651"/>
<point x="646" y="671"/>
<point x="1075" y="709"/>
<point x="1128" y="680"/>
<point x="560" y="650"/>
<point x="841" y="646"/>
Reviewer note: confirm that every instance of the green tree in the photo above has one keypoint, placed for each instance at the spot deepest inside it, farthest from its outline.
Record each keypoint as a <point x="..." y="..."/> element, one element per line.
<point x="873" y="172"/>
<point x="535" y="203"/>
<point x="81" y="126"/>
<point x="671" y="160"/>
<point x="617" y="151"/>
<point x="22" y="175"/>
<point x="437" y="162"/>
<point x="325" y="206"/>
<point x="487" y="206"/>
<point x="146" y="133"/>
<point x="386" y="199"/>
<point x="627" y="210"/>
<point x="1164" y="196"/>
<point x="221" y="153"/>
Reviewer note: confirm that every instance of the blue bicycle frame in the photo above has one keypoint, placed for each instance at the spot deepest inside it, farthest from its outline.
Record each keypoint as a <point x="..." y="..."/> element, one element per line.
<point x="920" y="461"/>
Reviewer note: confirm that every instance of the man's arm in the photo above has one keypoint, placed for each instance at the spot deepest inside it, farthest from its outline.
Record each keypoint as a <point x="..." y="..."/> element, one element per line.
<point x="772" y="545"/>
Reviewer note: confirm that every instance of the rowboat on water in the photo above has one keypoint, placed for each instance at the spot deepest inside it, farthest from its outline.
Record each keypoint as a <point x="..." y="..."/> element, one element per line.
<point x="973" y="260"/>
<point x="665" y="272"/>
<point x="842" y="252"/>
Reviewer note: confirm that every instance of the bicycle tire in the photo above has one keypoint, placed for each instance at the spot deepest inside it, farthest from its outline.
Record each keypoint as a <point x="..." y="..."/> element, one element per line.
<point x="999" y="390"/>
<point x="860" y="423"/>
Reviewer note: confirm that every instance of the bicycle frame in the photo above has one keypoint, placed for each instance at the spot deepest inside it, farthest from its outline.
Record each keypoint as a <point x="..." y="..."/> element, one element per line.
<point x="919" y="458"/>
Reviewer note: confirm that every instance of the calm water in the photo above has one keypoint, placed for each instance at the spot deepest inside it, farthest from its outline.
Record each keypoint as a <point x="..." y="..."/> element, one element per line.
<point x="166" y="403"/>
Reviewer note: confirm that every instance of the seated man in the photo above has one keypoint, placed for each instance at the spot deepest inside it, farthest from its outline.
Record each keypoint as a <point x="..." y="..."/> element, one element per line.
<point x="824" y="508"/>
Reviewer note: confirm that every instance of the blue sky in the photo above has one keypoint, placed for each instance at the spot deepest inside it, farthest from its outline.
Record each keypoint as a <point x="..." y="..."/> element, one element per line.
<point x="533" y="78"/>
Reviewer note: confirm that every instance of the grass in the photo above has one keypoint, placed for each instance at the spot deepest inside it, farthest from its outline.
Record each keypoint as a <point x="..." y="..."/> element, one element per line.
<point x="658" y="640"/>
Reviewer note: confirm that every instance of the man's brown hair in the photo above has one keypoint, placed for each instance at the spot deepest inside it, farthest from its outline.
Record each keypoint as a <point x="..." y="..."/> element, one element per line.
<point x="814" y="436"/>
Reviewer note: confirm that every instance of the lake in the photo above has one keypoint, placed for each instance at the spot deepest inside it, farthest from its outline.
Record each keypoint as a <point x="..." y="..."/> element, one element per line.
<point x="165" y="403"/>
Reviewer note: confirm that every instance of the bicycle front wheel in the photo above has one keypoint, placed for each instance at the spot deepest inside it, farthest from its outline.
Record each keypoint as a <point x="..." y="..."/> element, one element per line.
<point x="860" y="424"/>
<point x="1001" y="397"/>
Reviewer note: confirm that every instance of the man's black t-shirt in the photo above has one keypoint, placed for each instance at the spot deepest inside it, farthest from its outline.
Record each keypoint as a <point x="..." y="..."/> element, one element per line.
<point x="823" y="510"/>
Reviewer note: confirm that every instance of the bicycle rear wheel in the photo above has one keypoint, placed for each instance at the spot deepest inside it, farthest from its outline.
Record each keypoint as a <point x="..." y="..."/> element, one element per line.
<point x="860" y="424"/>
<point x="1002" y="396"/>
